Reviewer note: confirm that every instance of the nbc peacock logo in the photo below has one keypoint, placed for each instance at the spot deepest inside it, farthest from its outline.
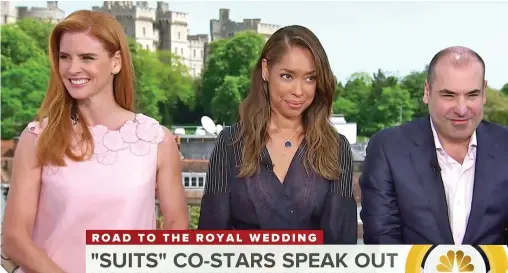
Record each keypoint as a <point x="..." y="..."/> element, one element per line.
<point x="455" y="262"/>
<point x="456" y="258"/>
<point x="445" y="258"/>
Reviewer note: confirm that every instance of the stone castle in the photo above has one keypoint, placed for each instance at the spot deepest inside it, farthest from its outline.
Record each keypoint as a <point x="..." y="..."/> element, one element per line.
<point x="160" y="28"/>
<point x="164" y="29"/>
<point x="10" y="13"/>
<point x="224" y="27"/>
<point x="156" y="28"/>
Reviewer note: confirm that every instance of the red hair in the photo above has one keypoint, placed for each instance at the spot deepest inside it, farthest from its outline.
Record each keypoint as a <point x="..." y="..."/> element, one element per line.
<point x="55" y="140"/>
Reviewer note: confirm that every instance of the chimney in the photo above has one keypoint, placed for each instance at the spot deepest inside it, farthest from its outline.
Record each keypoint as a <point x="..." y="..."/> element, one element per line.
<point x="224" y="15"/>
<point x="52" y="4"/>
<point x="161" y="6"/>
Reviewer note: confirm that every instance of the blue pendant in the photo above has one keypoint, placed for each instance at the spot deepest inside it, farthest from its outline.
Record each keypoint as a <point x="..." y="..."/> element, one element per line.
<point x="287" y="144"/>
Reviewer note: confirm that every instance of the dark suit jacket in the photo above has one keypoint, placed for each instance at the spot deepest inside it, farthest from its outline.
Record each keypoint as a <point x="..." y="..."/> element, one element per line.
<point x="403" y="198"/>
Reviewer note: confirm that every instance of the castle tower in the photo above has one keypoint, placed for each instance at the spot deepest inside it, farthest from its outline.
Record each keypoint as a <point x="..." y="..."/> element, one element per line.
<point x="159" y="28"/>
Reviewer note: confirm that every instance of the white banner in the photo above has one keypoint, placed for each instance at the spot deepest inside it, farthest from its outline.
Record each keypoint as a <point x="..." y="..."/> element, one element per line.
<point x="292" y="258"/>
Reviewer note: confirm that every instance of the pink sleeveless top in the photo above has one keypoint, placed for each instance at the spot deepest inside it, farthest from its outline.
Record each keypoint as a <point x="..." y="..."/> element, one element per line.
<point x="115" y="189"/>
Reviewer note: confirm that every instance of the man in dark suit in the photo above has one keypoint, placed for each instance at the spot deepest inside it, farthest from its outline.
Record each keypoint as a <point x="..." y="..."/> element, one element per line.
<point x="441" y="179"/>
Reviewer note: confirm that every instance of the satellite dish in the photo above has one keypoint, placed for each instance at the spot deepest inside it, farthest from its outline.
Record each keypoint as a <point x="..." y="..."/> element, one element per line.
<point x="208" y="125"/>
<point x="200" y="132"/>
<point x="218" y="128"/>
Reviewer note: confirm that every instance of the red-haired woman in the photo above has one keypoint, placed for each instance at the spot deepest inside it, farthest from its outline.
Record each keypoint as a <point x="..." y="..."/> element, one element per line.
<point x="89" y="162"/>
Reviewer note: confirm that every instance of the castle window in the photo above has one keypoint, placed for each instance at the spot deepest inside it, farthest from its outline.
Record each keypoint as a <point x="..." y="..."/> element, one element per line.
<point x="178" y="35"/>
<point x="194" y="53"/>
<point x="181" y="51"/>
<point x="144" y="31"/>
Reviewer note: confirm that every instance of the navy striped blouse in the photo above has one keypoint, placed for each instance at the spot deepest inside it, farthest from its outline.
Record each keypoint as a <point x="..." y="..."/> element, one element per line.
<point x="303" y="201"/>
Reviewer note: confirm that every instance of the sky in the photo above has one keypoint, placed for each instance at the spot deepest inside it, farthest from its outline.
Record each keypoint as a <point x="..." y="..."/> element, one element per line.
<point x="396" y="37"/>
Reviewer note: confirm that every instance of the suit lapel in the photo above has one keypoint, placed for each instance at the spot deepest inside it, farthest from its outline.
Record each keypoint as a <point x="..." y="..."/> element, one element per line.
<point x="423" y="156"/>
<point x="484" y="180"/>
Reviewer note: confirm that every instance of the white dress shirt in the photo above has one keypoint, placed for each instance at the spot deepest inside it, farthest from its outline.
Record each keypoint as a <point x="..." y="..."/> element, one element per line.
<point x="458" y="183"/>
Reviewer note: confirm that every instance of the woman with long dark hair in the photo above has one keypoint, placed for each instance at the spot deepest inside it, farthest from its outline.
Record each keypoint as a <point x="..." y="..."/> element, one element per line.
<point x="284" y="166"/>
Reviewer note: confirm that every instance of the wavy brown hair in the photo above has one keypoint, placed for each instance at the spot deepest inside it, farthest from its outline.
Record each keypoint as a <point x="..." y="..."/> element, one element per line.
<point x="322" y="139"/>
<point x="55" y="140"/>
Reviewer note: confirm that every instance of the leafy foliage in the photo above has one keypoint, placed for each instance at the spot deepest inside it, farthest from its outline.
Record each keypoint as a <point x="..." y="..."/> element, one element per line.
<point x="235" y="58"/>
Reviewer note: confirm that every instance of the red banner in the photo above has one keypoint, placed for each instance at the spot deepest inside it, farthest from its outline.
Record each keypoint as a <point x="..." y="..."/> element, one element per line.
<point x="203" y="237"/>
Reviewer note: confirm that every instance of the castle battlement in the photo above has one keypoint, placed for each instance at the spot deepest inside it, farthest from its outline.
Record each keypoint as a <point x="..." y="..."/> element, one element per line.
<point x="173" y="17"/>
<point x="197" y="40"/>
<point x="267" y="28"/>
<point x="117" y="5"/>
<point x="224" y="27"/>
<point x="51" y="12"/>
<point x="198" y="37"/>
<point x="142" y="4"/>
<point x="251" y="21"/>
<point x="145" y="13"/>
<point x="271" y="26"/>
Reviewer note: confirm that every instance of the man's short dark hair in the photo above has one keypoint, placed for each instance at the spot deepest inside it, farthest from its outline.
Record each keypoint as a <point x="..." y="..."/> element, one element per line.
<point x="448" y="51"/>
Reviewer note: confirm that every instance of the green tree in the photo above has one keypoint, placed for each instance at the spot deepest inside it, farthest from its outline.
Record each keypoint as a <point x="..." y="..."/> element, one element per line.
<point x="496" y="107"/>
<point x="396" y="107"/>
<point x="18" y="47"/>
<point x="339" y="90"/>
<point x="383" y="104"/>
<point x="194" y="217"/>
<point x="374" y="102"/>
<point x="184" y="114"/>
<point x="351" y="101"/>
<point x="148" y="88"/>
<point x="24" y="76"/>
<point x="504" y="89"/>
<point x="178" y="86"/>
<point x="37" y="30"/>
<point x="415" y="84"/>
<point x="161" y="82"/>
<point x="229" y="57"/>
<point x="227" y="98"/>
<point x="23" y="89"/>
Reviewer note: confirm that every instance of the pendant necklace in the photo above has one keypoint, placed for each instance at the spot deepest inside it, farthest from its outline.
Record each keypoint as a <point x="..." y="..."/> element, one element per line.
<point x="288" y="143"/>
<point x="74" y="118"/>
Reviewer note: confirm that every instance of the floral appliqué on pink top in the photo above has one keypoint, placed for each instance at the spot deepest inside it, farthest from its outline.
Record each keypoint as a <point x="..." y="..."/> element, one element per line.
<point x="136" y="135"/>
